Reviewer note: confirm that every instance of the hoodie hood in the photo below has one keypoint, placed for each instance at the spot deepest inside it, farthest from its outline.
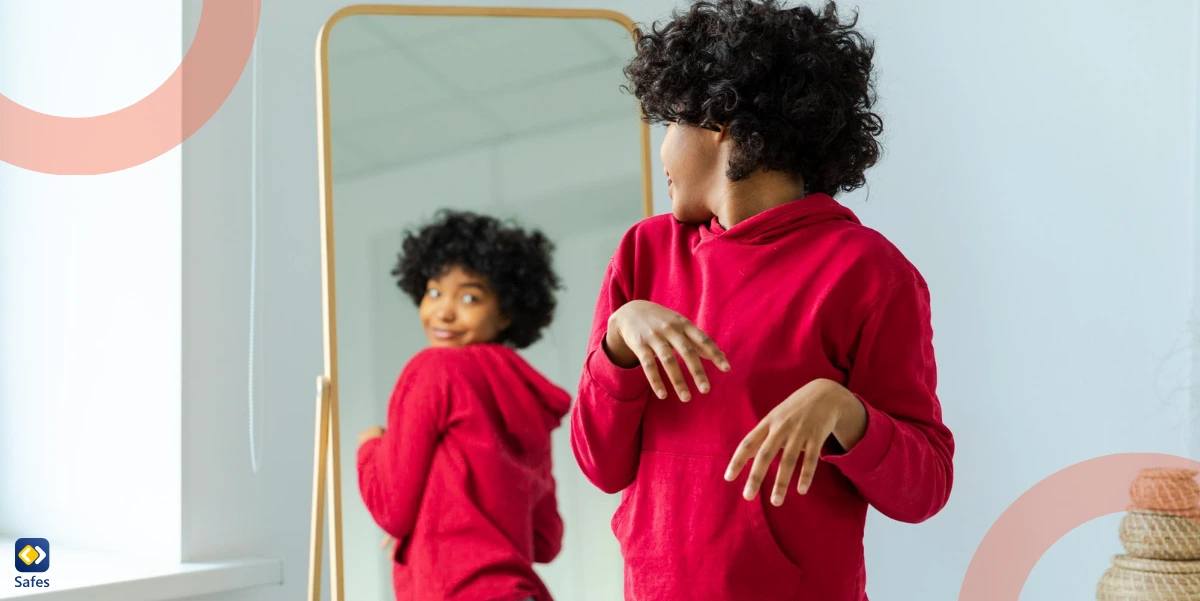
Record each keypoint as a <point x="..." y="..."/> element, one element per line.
<point x="776" y="223"/>
<point x="529" y="404"/>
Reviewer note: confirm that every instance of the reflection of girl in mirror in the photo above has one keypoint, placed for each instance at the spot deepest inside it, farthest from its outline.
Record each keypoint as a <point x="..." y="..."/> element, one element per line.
<point x="806" y="335"/>
<point x="461" y="477"/>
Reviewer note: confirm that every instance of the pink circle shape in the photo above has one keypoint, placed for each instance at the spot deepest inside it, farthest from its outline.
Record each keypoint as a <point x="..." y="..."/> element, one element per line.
<point x="1047" y="512"/>
<point x="150" y="127"/>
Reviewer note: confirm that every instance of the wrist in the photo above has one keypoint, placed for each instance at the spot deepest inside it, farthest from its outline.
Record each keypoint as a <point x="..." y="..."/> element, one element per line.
<point x="617" y="351"/>
<point x="852" y="421"/>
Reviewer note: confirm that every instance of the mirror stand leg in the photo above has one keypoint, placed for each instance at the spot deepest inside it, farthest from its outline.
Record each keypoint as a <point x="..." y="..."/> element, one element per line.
<point x="334" y="473"/>
<point x="316" y="545"/>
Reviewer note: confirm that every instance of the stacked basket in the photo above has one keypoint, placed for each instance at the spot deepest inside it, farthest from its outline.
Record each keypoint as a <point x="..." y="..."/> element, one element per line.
<point x="1161" y="536"/>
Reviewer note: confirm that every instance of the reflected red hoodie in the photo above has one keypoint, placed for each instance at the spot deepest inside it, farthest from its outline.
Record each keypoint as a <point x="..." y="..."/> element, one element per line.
<point x="462" y="476"/>
<point x="800" y="292"/>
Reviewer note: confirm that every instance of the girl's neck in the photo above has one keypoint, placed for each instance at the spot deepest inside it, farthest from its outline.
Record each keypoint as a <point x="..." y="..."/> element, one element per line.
<point x="738" y="201"/>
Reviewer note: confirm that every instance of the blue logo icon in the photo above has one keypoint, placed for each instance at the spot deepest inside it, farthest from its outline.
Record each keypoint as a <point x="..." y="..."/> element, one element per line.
<point x="33" y="554"/>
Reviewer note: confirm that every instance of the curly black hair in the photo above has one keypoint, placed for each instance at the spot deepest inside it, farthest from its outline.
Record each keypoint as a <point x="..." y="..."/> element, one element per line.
<point x="517" y="265"/>
<point x="793" y="85"/>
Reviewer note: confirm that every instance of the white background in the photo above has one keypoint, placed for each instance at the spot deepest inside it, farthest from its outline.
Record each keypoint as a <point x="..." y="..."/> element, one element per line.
<point x="90" y="294"/>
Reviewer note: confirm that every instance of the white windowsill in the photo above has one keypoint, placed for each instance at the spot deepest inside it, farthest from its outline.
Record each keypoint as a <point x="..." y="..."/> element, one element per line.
<point x="89" y="576"/>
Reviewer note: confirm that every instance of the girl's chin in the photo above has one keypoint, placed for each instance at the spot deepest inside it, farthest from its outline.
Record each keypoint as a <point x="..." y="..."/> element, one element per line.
<point x="690" y="217"/>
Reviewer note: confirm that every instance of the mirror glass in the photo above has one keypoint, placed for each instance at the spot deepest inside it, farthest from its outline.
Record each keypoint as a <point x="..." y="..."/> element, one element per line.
<point x="513" y="117"/>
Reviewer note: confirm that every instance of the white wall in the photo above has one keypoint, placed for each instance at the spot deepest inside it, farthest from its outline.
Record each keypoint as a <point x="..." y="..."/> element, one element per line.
<point x="90" y="293"/>
<point x="1040" y="171"/>
<point x="229" y="510"/>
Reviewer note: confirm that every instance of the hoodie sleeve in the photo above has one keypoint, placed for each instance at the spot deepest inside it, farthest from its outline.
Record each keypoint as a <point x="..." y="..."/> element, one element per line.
<point x="392" y="470"/>
<point x="606" y="424"/>
<point x="903" y="466"/>
<point x="547" y="523"/>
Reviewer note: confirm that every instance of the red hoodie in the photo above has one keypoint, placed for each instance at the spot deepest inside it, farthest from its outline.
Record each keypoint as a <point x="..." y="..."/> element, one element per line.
<point x="462" y="476"/>
<point x="800" y="292"/>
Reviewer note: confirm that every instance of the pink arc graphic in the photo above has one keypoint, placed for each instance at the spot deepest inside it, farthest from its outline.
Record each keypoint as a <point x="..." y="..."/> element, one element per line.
<point x="150" y="127"/>
<point x="1047" y="512"/>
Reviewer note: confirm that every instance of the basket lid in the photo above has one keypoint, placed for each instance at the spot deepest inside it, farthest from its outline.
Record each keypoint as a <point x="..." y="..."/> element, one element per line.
<point x="1157" y="566"/>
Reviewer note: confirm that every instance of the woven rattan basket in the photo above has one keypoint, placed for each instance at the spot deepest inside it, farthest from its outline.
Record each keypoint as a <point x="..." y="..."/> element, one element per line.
<point x="1125" y="582"/>
<point x="1192" y="513"/>
<point x="1154" y="535"/>
<point x="1160" y="566"/>
<point x="1167" y="489"/>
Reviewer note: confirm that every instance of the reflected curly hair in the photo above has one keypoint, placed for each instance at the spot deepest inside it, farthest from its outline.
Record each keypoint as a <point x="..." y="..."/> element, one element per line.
<point x="793" y="85"/>
<point x="517" y="265"/>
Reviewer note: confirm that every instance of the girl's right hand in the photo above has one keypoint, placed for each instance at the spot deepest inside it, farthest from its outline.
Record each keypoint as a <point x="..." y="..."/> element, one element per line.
<point x="645" y="333"/>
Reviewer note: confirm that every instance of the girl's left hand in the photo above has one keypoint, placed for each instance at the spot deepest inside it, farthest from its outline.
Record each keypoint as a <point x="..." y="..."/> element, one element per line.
<point x="370" y="433"/>
<point x="799" y="425"/>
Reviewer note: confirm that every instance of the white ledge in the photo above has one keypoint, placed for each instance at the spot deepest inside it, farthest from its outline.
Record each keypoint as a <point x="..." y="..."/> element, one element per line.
<point x="89" y="576"/>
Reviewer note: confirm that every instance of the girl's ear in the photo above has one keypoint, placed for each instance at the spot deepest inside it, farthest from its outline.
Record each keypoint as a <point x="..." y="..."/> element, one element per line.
<point x="504" y="322"/>
<point x="722" y="131"/>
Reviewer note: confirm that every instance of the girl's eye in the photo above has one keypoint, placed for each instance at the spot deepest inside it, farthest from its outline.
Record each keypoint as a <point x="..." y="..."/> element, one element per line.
<point x="469" y="298"/>
<point x="433" y="293"/>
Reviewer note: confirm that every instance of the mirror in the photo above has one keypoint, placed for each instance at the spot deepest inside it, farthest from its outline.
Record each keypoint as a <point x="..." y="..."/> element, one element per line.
<point x="516" y="114"/>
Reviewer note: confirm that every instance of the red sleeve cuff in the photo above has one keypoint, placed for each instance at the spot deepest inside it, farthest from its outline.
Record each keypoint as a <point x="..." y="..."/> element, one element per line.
<point x="871" y="450"/>
<point x="617" y="382"/>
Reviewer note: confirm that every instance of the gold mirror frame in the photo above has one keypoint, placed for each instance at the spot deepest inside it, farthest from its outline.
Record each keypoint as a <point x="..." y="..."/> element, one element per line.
<point x="327" y="456"/>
